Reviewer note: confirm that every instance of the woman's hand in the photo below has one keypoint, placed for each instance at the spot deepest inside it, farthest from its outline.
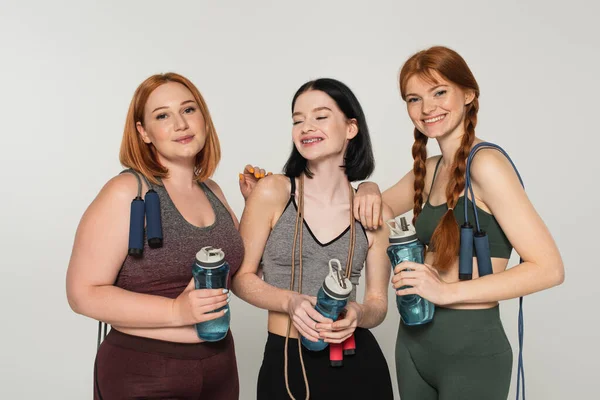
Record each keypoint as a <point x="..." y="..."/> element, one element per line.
<point x="368" y="205"/>
<point x="424" y="281"/>
<point x="343" y="328"/>
<point x="305" y="318"/>
<point x="249" y="178"/>
<point x="195" y="305"/>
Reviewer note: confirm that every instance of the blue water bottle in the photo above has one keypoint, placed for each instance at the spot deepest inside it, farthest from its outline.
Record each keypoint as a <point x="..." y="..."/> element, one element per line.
<point x="331" y="300"/>
<point x="404" y="246"/>
<point x="210" y="271"/>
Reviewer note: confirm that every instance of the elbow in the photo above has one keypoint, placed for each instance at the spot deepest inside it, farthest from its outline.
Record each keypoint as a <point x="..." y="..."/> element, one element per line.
<point x="74" y="302"/>
<point x="78" y="300"/>
<point x="554" y="274"/>
<point x="238" y="283"/>
<point x="559" y="274"/>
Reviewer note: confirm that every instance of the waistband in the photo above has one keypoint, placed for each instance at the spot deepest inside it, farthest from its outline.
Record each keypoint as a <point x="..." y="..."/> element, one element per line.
<point x="188" y="351"/>
<point x="458" y="333"/>
<point x="467" y="317"/>
<point x="277" y="341"/>
<point x="455" y="323"/>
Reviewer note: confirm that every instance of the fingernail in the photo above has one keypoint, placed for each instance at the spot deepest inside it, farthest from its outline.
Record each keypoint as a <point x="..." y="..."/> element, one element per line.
<point x="225" y="290"/>
<point x="251" y="170"/>
<point x="241" y="177"/>
<point x="226" y="311"/>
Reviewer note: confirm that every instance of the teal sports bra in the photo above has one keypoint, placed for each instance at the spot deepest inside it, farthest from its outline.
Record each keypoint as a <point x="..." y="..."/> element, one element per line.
<point x="431" y="215"/>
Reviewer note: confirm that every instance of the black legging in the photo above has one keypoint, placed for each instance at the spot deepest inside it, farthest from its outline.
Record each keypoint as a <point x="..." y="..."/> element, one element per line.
<point x="364" y="375"/>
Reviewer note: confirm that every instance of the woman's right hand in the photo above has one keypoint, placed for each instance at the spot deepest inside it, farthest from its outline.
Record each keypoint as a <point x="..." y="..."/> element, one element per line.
<point x="368" y="205"/>
<point x="249" y="178"/>
<point x="301" y="309"/>
<point x="195" y="305"/>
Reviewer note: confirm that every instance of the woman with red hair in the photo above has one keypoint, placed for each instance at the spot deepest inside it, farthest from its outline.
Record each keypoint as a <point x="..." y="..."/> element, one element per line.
<point x="463" y="353"/>
<point x="150" y="301"/>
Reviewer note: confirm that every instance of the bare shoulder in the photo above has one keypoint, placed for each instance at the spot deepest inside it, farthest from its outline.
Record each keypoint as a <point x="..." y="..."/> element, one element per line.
<point x="266" y="203"/>
<point x="112" y="204"/>
<point x="273" y="189"/>
<point x="123" y="187"/>
<point x="216" y="189"/>
<point x="490" y="165"/>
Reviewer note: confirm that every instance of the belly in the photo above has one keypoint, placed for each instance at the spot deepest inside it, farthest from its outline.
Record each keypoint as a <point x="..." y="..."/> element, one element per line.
<point x="278" y="324"/>
<point x="451" y="276"/>
<point x="184" y="334"/>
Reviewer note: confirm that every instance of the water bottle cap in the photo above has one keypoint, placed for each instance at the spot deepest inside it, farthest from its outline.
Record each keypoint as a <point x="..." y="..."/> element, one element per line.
<point x="336" y="285"/>
<point x="209" y="257"/>
<point x="401" y="231"/>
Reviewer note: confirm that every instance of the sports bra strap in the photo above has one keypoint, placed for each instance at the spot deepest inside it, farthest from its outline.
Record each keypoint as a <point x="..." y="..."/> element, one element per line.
<point x="293" y="182"/>
<point x="434" y="174"/>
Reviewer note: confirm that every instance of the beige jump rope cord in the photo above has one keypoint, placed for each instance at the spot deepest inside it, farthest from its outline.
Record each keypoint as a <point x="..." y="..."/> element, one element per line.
<point x="298" y="235"/>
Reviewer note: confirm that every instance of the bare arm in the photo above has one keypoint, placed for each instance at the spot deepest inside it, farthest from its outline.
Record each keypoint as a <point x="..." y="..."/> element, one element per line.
<point x="98" y="253"/>
<point x="499" y="188"/>
<point x="265" y="203"/>
<point x="373" y="310"/>
<point x="378" y="270"/>
<point x="497" y="185"/>
<point x="399" y="198"/>
<point x="263" y="208"/>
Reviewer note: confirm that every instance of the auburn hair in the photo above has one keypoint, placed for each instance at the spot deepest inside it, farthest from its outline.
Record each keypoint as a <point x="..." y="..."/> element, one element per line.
<point x="141" y="156"/>
<point x="448" y="64"/>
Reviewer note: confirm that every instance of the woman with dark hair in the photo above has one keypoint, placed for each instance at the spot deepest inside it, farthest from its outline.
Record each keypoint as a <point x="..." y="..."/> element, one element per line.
<point x="463" y="353"/>
<point x="292" y="226"/>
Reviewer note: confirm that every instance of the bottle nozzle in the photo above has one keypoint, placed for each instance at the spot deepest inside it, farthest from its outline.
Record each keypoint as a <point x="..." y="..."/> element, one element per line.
<point x="403" y="224"/>
<point x="338" y="271"/>
<point x="336" y="284"/>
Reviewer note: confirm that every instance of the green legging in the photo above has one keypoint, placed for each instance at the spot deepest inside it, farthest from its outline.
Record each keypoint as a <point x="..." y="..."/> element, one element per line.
<point x="460" y="355"/>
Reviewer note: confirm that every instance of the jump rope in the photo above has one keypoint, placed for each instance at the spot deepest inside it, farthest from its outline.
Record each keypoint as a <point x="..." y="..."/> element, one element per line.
<point x="479" y="239"/>
<point x="148" y="210"/>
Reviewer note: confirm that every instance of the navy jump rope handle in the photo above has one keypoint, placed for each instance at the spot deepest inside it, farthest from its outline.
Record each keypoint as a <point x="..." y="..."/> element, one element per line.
<point x="465" y="259"/>
<point x="136" y="228"/>
<point x="153" y="222"/>
<point x="482" y="251"/>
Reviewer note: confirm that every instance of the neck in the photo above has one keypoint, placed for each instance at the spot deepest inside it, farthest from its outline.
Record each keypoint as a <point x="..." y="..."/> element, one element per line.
<point x="449" y="145"/>
<point x="329" y="183"/>
<point x="181" y="174"/>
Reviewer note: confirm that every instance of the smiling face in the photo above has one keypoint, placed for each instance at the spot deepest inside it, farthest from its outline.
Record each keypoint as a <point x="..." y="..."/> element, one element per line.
<point x="320" y="130"/>
<point x="173" y="123"/>
<point x="437" y="109"/>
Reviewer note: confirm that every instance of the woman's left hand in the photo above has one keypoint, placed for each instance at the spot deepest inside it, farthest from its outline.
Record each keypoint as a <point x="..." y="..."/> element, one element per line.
<point x="425" y="281"/>
<point x="341" y="329"/>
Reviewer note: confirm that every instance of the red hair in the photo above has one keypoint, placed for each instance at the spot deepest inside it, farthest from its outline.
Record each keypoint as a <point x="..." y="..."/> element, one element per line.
<point x="141" y="156"/>
<point x="448" y="64"/>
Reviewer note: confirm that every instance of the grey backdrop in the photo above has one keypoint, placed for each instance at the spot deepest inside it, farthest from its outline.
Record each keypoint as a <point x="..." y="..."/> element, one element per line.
<point x="69" y="69"/>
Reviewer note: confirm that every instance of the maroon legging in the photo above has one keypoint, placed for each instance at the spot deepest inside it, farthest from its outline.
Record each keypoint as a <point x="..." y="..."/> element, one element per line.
<point x="132" y="367"/>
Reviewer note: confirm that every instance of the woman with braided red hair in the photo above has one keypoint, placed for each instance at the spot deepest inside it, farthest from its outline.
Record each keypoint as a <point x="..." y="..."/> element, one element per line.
<point x="463" y="353"/>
